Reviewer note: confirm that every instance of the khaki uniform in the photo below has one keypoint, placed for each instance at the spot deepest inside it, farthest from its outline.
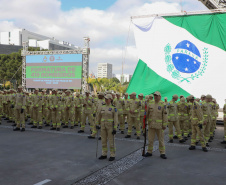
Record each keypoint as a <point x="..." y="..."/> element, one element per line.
<point x="214" y="119"/>
<point x="119" y="105"/>
<point x="108" y="119"/>
<point x="28" y="104"/>
<point x="48" y="109"/>
<point x="224" y="111"/>
<point x="157" y="118"/>
<point x="173" y="120"/>
<point x="142" y="110"/>
<point x="37" y="109"/>
<point x="20" y="104"/>
<point x="87" y="112"/>
<point x="134" y="119"/>
<point x="125" y="110"/>
<point x="183" y="117"/>
<point x="206" y="109"/>
<point x="196" y="119"/>
<point x="69" y="110"/>
<point x="55" y="105"/>
<point x="99" y="105"/>
<point x="78" y="110"/>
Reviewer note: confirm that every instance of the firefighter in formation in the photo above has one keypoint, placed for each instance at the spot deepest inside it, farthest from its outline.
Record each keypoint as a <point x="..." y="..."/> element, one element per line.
<point x="108" y="112"/>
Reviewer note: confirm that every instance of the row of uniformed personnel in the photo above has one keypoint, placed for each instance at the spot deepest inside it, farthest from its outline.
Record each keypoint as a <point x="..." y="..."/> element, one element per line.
<point x="63" y="107"/>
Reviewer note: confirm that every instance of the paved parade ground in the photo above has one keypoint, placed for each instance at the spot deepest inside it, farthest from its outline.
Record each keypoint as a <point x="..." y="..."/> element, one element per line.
<point x="66" y="157"/>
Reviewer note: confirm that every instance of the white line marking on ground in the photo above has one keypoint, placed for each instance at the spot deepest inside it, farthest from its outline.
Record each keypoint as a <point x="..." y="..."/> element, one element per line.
<point x="43" y="182"/>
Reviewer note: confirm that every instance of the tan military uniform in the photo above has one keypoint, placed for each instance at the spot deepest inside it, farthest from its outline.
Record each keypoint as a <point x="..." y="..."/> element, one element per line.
<point x="224" y="111"/>
<point x="118" y="103"/>
<point x="69" y="110"/>
<point x="134" y="118"/>
<point x="78" y="110"/>
<point x="206" y="109"/>
<point x="55" y="105"/>
<point x="20" y="104"/>
<point x="182" y="107"/>
<point x="196" y="119"/>
<point x="87" y="112"/>
<point x="108" y="119"/>
<point x="214" y="119"/>
<point x="157" y="118"/>
<point x="173" y="120"/>
<point x="37" y="109"/>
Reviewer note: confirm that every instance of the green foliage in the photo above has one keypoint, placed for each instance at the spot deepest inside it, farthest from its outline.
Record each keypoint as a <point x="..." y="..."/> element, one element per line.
<point x="104" y="84"/>
<point x="11" y="65"/>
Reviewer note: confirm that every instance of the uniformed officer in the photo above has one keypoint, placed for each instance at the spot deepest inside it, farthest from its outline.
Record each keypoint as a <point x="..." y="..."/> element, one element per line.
<point x="183" y="117"/>
<point x="142" y="109"/>
<point x="78" y="109"/>
<point x="118" y="102"/>
<point x="108" y="119"/>
<point x="19" y="109"/>
<point x="69" y="109"/>
<point x="224" y="111"/>
<point x="134" y="115"/>
<point x="173" y="120"/>
<point x="37" y="109"/>
<point x="207" y="107"/>
<point x="157" y="122"/>
<point x="196" y="122"/>
<point x="87" y="112"/>
<point x="125" y="109"/>
<point x="214" y="119"/>
<point x="55" y="105"/>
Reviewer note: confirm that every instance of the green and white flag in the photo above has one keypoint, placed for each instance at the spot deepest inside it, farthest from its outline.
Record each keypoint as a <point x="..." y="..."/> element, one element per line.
<point x="181" y="55"/>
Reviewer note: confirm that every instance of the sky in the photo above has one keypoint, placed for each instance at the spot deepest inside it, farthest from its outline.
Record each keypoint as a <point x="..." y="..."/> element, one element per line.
<point x="106" y="22"/>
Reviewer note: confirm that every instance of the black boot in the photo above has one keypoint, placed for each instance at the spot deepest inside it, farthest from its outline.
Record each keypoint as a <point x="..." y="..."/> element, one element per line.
<point x="192" y="148"/>
<point x="111" y="158"/>
<point x="58" y="129"/>
<point x="30" y="123"/>
<point x="14" y="124"/>
<point x="34" y="126"/>
<point x="204" y="149"/>
<point x="16" y="129"/>
<point x="223" y="142"/>
<point x="135" y="134"/>
<point x="127" y="136"/>
<point x="207" y="145"/>
<point x="163" y="156"/>
<point x="40" y="127"/>
<point x="147" y="155"/>
<point x="47" y="125"/>
<point x="91" y="137"/>
<point x="182" y="141"/>
<point x="171" y="141"/>
<point x="53" y="128"/>
<point x="138" y="137"/>
<point x="175" y="137"/>
<point x="22" y="130"/>
<point x="185" y="138"/>
<point x="65" y="126"/>
<point x="81" y="131"/>
<point x="99" y="138"/>
<point x="72" y="127"/>
<point x="102" y="157"/>
<point x="122" y="132"/>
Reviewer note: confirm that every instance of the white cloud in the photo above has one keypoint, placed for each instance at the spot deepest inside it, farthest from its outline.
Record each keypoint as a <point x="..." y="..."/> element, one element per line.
<point x="107" y="29"/>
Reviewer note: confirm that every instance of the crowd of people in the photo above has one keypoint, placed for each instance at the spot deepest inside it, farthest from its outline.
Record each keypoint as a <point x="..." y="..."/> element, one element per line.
<point x="109" y="112"/>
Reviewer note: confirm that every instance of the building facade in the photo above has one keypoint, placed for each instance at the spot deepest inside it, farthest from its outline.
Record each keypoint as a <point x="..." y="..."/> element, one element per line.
<point x="104" y="70"/>
<point x="18" y="36"/>
<point x="123" y="78"/>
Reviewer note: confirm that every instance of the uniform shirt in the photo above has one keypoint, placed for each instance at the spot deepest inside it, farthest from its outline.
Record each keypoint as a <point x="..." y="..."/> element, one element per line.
<point x="134" y="105"/>
<point x="172" y="111"/>
<point x="125" y="106"/>
<point x="20" y="101"/>
<point x="100" y="102"/>
<point x="37" y="100"/>
<point x="69" y="101"/>
<point x="224" y="111"/>
<point x="119" y="105"/>
<point x="108" y="115"/>
<point x="142" y="108"/>
<point x="78" y="102"/>
<point x="89" y="105"/>
<point x="157" y="115"/>
<point x="55" y="101"/>
<point x="196" y="113"/>
<point x="182" y="108"/>
<point x="206" y="109"/>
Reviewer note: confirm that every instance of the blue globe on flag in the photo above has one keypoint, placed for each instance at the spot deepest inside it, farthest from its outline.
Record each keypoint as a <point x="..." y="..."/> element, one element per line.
<point x="187" y="58"/>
